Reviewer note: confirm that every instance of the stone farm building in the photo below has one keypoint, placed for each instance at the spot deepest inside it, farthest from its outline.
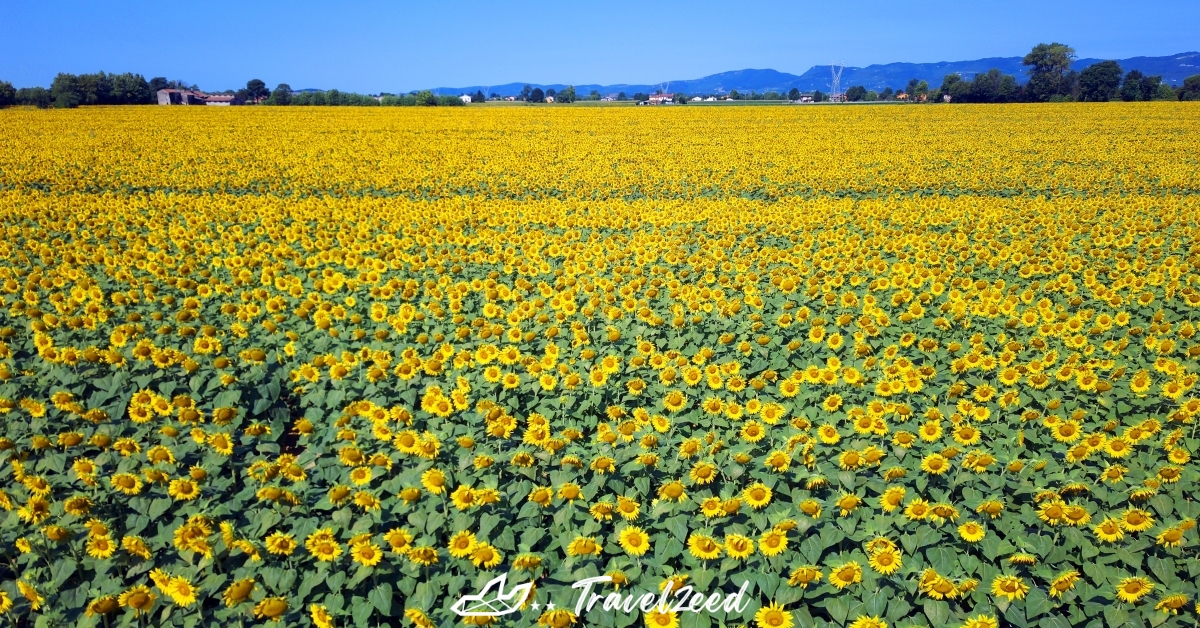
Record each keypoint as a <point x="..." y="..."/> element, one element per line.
<point x="189" y="97"/>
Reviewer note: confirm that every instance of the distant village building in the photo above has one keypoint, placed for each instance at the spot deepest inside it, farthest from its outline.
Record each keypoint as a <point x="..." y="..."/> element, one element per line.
<point x="697" y="99"/>
<point x="222" y="100"/>
<point x="189" y="97"/>
<point x="662" y="99"/>
<point x="610" y="98"/>
<point x="549" y="99"/>
<point x="466" y="98"/>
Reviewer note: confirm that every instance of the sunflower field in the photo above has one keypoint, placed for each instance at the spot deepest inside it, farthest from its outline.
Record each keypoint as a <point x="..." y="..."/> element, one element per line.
<point x="890" y="366"/>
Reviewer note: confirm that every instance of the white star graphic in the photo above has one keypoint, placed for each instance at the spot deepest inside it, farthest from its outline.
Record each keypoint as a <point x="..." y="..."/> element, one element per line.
<point x="550" y="606"/>
<point x="536" y="606"/>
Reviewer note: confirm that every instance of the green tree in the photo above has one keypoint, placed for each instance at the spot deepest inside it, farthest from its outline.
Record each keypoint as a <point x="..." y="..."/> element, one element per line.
<point x="157" y="83"/>
<point x="639" y="96"/>
<point x="594" y="95"/>
<point x="526" y="93"/>
<point x="1048" y="65"/>
<point x="8" y="95"/>
<point x="257" y="89"/>
<point x="537" y="95"/>
<point x="64" y="91"/>
<point x="478" y="96"/>
<point x="735" y="95"/>
<point x="567" y="95"/>
<point x="622" y="97"/>
<point x="856" y="93"/>
<point x="794" y="94"/>
<point x="425" y="98"/>
<point x="34" y="96"/>
<point x="1131" y="88"/>
<point x="282" y="95"/>
<point x="1190" y="89"/>
<point x="1099" y="82"/>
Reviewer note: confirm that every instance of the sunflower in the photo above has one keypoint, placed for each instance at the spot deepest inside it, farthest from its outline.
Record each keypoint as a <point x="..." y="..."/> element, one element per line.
<point x="845" y="575"/>
<point x="1171" y="604"/>
<point x="738" y="546"/>
<point x="847" y="503"/>
<point x="320" y="616"/>
<point x="703" y="547"/>
<point x="935" y="464"/>
<point x="892" y="498"/>
<point x="1011" y="587"/>
<point x="139" y="598"/>
<point x="634" y="540"/>
<point x="485" y="556"/>
<point x="462" y="544"/>
<point x="1109" y="530"/>
<point x="802" y="576"/>
<point x="772" y="542"/>
<point x="1133" y="589"/>
<point x="981" y="621"/>
<point x="100" y="547"/>
<point x="366" y="554"/>
<point x="434" y="481"/>
<point x="757" y="495"/>
<point x="917" y="510"/>
<point x="1136" y="520"/>
<point x="104" y="605"/>
<point x="183" y="490"/>
<point x="271" y="608"/>
<point x="238" y="592"/>
<point x="181" y="590"/>
<point x="583" y="546"/>
<point x="1063" y="582"/>
<point x="773" y="616"/>
<point x="864" y="621"/>
<point x="971" y="532"/>
<point x="885" y="561"/>
<point x="660" y="618"/>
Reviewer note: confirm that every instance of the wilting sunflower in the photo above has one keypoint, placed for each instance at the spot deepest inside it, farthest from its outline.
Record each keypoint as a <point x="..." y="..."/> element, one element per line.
<point x="271" y="608"/>
<point x="802" y="576"/>
<point x="238" y="592"/>
<point x="703" y="547"/>
<point x="1171" y="604"/>
<point x="139" y="598"/>
<point x="1063" y="582"/>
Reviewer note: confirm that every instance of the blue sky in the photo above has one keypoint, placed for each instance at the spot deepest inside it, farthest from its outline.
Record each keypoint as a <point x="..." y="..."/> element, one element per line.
<point x="373" y="46"/>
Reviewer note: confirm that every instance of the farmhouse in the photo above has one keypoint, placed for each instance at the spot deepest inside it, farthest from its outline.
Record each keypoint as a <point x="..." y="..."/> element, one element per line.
<point x="189" y="97"/>
<point x="662" y="99"/>
<point x="466" y="98"/>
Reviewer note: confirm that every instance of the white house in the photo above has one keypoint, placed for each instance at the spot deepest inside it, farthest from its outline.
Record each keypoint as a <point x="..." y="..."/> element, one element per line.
<point x="466" y="98"/>
<point x="710" y="99"/>
<point x="549" y="99"/>
<point x="696" y="99"/>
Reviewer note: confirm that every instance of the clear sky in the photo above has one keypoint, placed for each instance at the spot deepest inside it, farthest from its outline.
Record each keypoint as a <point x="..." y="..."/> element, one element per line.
<point x="373" y="46"/>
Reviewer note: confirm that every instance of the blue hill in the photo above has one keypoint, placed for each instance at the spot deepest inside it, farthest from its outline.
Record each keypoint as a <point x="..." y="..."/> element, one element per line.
<point x="1173" y="68"/>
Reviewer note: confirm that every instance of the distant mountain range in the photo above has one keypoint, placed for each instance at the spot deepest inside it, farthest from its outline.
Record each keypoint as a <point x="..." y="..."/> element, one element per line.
<point x="1173" y="68"/>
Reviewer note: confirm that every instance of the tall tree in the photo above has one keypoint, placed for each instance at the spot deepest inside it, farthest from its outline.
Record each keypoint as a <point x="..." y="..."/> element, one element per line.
<point x="282" y="95"/>
<point x="1048" y="65"/>
<point x="478" y="96"/>
<point x="526" y="92"/>
<point x="567" y="95"/>
<point x="1099" y="82"/>
<point x="8" y="95"/>
<point x="157" y="83"/>
<point x="1131" y="89"/>
<point x="257" y="89"/>
<point x="1190" y="89"/>
<point x="537" y="95"/>
<point x="856" y="93"/>
<point x="794" y="94"/>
